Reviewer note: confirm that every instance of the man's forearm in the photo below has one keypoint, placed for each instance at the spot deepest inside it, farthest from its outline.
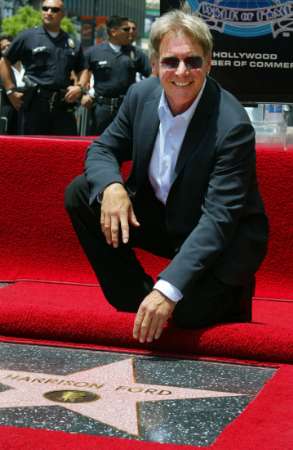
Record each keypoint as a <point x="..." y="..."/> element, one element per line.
<point x="5" y="74"/>
<point x="83" y="79"/>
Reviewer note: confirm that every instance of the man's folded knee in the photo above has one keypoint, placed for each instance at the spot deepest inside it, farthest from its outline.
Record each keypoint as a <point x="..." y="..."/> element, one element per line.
<point x="74" y="193"/>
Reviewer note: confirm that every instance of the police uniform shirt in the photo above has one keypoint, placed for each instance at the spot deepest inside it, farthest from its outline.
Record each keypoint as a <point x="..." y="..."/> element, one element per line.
<point x="48" y="61"/>
<point x="115" y="71"/>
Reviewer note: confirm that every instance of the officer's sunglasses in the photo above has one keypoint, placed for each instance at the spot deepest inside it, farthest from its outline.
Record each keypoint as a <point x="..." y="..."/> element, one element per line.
<point x="190" y="62"/>
<point x="54" y="9"/>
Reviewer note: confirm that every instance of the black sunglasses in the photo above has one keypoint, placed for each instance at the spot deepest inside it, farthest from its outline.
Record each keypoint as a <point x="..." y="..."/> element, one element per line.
<point x="54" y="9"/>
<point x="191" y="62"/>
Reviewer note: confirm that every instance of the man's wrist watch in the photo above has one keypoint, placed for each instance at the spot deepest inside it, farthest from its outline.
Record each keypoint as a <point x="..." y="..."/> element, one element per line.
<point x="10" y="91"/>
<point x="83" y="90"/>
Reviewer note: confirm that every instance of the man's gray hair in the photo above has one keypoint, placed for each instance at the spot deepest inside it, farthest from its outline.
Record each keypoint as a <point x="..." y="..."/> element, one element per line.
<point x="179" y="22"/>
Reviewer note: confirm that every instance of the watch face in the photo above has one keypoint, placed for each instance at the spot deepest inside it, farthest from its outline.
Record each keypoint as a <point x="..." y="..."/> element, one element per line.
<point x="245" y="19"/>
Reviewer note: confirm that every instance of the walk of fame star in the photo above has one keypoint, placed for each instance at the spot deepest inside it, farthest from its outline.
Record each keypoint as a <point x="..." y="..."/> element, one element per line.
<point x="108" y="394"/>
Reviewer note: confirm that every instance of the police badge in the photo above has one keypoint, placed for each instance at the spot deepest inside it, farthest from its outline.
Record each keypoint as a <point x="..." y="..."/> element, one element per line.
<point x="71" y="43"/>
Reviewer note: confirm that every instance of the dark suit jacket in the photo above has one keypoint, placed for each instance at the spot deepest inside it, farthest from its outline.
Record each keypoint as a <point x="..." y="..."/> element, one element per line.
<point x="214" y="212"/>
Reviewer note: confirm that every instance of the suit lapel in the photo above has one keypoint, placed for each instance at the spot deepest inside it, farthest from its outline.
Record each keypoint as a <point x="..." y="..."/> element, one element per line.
<point x="149" y="125"/>
<point x="198" y="126"/>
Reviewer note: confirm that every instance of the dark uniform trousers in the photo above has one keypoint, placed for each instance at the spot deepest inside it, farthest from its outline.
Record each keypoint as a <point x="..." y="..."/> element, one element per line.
<point x="9" y="119"/>
<point x="104" y="111"/>
<point x="38" y="116"/>
<point x="103" y="115"/>
<point x="123" y="279"/>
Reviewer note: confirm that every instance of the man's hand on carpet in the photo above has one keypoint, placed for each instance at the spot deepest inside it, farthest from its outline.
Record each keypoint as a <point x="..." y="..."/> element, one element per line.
<point x="152" y="316"/>
<point x="117" y="214"/>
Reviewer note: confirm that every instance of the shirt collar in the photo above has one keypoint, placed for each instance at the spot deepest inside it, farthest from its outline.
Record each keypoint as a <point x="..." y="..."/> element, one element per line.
<point x="164" y="110"/>
<point x="53" y="34"/>
<point x="116" y="48"/>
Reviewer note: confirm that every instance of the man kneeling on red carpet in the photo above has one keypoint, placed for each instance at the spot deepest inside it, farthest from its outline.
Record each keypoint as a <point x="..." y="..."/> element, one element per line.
<point x="191" y="195"/>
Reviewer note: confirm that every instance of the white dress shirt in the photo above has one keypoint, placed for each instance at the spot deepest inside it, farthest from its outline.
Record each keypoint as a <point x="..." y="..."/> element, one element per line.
<point x="161" y="173"/>
<point x="18" y="75"/>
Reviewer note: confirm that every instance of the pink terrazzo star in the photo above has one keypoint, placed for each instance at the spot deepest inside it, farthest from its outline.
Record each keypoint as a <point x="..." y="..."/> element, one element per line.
<point x="108" y="393"/>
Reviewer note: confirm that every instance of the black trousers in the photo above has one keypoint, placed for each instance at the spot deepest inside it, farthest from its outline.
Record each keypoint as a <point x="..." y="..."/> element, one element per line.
<point x="102" y="116"/>
<point x="123" y="279"/>
<point x="37" y="118"/>
<point x="10" y="124"/>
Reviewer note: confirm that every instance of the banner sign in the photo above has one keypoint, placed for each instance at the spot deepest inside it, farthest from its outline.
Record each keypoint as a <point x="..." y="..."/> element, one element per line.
<point x="253" y="44"/>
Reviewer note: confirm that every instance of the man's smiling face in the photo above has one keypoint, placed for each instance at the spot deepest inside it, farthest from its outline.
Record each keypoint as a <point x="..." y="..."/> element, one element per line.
<point x="181" y="84"/>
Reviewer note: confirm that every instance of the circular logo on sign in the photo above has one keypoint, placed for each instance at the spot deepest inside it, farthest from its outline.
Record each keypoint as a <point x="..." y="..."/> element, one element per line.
<point x="248" y="18"/>
<point x="71" y="396"/>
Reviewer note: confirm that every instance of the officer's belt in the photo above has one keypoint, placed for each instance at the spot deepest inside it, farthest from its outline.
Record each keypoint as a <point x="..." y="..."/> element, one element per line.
<point x="114" y="102"/>
<point x="51" y="93"/>
<point x="55" y="98"/>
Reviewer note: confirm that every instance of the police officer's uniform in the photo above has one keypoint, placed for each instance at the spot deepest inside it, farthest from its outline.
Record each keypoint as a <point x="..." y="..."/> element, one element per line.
<point x="48" y="62"/>
<point x="113" y="71"/>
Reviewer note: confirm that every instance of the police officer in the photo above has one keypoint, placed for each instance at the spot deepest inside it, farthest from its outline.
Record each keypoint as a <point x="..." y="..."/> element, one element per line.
<point x="8" y="115"/>
<point x="132" y="31"/>
<point x="114" y="65"/>
<point x="49" y="56"/>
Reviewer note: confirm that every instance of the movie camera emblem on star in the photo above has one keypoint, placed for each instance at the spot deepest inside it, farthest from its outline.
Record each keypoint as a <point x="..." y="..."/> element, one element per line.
<point x="71" y="396"/>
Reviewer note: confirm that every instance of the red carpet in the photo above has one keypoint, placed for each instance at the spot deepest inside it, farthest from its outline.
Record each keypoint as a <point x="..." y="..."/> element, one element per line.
<point x="37" y="243"/>
<point x="80" y="314"/>
<point x="274" y="168"/>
